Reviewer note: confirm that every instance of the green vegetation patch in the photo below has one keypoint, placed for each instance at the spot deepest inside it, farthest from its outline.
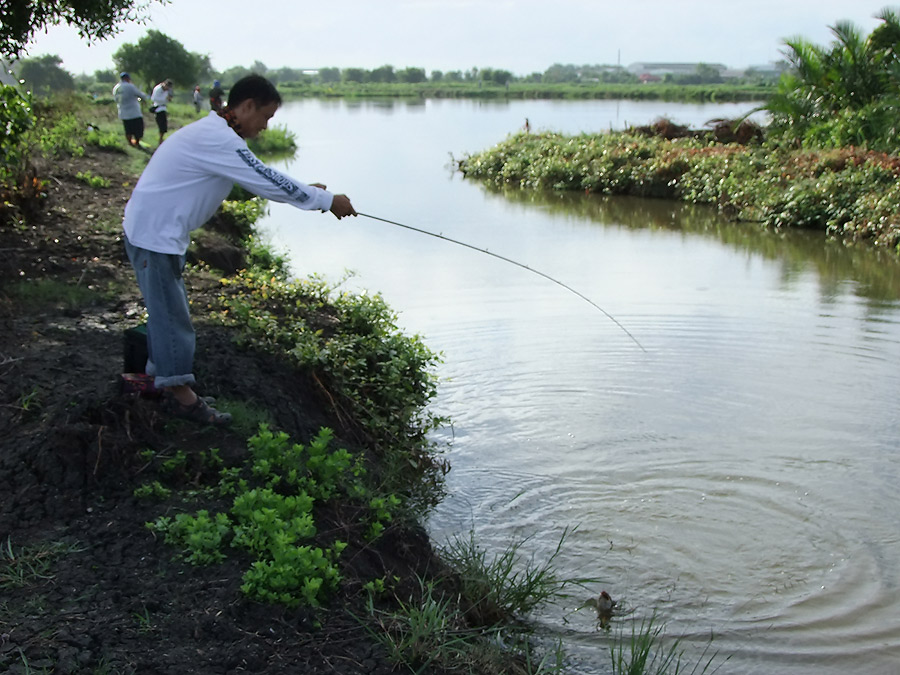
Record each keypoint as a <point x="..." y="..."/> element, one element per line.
<point x="274" y="143"/>
<point x="271" y="518"/>
<point x="351" y="345"/>
<point x="94" y="181"/>
<point x="849" y="193"/>
<point x="46" y="292"/>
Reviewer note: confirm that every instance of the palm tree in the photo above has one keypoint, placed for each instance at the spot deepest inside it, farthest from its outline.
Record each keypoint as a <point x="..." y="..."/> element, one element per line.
<point x="841" y="92"/>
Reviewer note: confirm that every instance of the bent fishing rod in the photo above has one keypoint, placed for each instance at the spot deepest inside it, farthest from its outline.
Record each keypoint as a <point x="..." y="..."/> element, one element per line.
<point x="512" y="262"/>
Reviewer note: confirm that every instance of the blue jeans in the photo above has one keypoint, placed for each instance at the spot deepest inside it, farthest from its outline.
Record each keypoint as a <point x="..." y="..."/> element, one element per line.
<point x="170" y="335"/>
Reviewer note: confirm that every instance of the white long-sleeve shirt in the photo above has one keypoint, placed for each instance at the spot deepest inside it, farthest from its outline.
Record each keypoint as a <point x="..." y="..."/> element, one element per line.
<point x="191" y="174"/>
<point x="160" y="97"/>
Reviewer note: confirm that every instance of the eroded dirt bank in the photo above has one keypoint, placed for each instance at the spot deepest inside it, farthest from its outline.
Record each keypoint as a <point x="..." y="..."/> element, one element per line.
<point x="112" y="599"/>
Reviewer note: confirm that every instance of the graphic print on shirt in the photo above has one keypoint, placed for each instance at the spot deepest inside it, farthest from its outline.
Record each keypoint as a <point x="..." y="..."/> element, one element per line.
<point x="280" y="180"/>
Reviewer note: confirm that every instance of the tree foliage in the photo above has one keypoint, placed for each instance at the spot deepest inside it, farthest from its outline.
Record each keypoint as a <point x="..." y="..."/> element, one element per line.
<point x="94" y="19"/>
<point x="156" y="57"/>
<point x="43" y="75"/>
<point x="845" y="93"/>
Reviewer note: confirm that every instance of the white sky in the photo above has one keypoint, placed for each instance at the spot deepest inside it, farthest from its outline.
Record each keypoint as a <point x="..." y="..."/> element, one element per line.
<point x="522" y="36"/>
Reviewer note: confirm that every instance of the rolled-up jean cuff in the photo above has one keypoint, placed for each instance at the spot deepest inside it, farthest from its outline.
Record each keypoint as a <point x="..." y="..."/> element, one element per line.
<point x="174" y="381"/>
<point x="171" y="381"/>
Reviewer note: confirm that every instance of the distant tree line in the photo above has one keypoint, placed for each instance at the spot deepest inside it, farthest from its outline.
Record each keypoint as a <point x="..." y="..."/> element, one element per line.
<point x="156" y="57"/>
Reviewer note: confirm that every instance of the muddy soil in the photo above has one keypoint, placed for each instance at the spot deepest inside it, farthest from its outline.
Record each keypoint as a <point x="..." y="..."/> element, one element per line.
<point x="106" y="596"/>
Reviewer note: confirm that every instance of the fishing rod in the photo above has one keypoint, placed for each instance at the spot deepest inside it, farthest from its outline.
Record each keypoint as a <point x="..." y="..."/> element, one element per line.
<point x="513" y="262"/>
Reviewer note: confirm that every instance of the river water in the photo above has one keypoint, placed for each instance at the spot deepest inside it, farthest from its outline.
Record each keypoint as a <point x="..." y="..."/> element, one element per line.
<point x="736" y="473"/>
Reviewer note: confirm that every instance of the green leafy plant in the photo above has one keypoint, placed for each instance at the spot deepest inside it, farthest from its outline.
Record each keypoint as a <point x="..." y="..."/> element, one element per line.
<point x="176" y="462"/>
<point x="313" y="469"/>
<point x="63" y="135"/>
<point x="16" y="120"/>
<point x="266" y="521"/>
<point x="92" y="180"/>
<point x="200" y="536"/>
<point x="271" y="518"/>
<point x="381" y="511"/>
<point x="294" y="575"/>
<point x="152" y="490"/>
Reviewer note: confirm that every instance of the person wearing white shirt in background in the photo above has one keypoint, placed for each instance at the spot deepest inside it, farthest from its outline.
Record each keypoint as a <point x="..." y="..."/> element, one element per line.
<point x="185" y="181"/>
<point x="128" y="101"/>
<point x="162" y="94"/>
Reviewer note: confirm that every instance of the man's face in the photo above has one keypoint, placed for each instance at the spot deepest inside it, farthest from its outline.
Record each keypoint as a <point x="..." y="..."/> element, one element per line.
<point x="253" y="118"/>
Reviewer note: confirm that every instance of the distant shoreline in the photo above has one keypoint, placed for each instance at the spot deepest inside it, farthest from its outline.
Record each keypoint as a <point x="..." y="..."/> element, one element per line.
<point x="720" y="93"/>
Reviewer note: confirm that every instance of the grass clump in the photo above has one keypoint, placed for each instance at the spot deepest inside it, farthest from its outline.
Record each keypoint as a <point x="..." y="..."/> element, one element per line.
<point x="274" y="143"/>
<point x="104" y="138"/>
<point x="429" y="631"/>
<point x="644" y="652"/>
<point x="498" y="589"/>
<point x="30" y="564"/>
<point x="47" y="292"/>
<point x="474" y="620"/>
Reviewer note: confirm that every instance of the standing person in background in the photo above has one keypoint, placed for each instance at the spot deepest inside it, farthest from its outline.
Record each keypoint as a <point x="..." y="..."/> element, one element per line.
<point x="215" y="97"/>
<point x="162" y="94"/>
<point x="128" y="101"/>
<point x="198" y="98"/>
<point x="184" y="183"/>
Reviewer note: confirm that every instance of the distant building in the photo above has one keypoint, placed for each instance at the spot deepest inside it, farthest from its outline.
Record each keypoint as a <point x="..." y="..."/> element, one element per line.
<point x="661" y="69"/>
<point x="773" y="70"/>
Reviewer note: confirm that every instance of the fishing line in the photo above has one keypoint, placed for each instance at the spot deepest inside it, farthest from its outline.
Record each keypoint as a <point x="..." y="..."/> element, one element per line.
<point x="512" y="262"/>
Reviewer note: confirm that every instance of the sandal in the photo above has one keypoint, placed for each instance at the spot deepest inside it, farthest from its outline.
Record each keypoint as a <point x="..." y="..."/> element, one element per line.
<point x="199" y="412"/>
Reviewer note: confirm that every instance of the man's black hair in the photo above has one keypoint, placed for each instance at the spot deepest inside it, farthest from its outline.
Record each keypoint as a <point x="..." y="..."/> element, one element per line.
<point x="254" y="87"/>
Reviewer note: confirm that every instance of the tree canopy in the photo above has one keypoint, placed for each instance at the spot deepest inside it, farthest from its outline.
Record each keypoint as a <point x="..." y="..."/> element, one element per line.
<point x="44" y="75"/>
<point x="94" y="19"/>
<point x="156" y="57"/>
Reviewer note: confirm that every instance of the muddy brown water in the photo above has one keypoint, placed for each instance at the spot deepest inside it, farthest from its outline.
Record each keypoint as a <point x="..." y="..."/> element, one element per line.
<point x="736" y="478"/>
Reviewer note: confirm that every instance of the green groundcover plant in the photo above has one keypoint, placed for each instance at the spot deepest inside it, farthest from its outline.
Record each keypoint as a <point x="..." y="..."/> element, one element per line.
<point x="271" y="517"/>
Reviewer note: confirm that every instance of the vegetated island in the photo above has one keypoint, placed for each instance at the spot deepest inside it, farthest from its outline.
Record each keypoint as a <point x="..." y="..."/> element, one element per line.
<point x="746" y="171"/>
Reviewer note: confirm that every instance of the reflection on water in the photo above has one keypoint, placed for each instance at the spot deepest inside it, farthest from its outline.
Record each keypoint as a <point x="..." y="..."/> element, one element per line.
<point x="876" y="272"/>
<point x="739" y="478"/>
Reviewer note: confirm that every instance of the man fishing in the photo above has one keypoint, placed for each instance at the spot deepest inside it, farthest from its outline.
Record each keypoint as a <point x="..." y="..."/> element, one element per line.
<point x="186" y="180"/>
